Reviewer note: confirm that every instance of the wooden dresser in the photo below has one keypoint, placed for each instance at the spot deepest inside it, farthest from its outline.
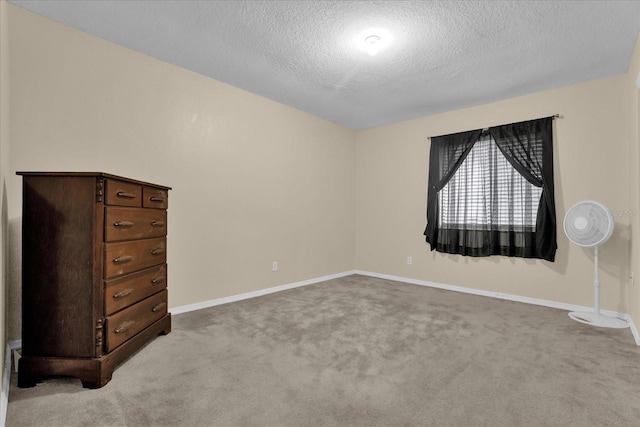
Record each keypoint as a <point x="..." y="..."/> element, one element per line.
<point x="94" y="273"/>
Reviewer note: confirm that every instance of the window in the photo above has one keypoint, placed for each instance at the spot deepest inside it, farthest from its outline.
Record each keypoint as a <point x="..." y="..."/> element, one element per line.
<point x="491" y="193"/>
<point x="487" y="190"/>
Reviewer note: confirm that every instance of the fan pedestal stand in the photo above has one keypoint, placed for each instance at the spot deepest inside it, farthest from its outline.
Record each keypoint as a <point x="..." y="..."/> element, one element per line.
<point x="595" y="318"/>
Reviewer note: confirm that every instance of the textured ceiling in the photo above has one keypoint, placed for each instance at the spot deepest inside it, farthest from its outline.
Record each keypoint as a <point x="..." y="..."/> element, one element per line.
<point x="440" y="55"/>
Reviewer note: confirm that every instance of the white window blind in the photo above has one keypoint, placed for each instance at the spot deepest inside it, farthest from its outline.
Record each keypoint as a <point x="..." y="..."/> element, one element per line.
<point x="487" y="190"/>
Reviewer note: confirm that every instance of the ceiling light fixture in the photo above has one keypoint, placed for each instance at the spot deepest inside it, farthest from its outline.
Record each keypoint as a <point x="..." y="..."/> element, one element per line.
<point x="372" y="40"/>
<point x="372" y="44"/>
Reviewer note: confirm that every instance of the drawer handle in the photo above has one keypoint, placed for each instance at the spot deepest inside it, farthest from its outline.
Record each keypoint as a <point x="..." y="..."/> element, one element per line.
<point x="124" y="327"/>
<point x="156" y="199"/>
<point x="123" y="224"/>
<point x="157" y="223"/>
<point x="122" y="293"/>
<point x="159" y="307"/>
<point x="157" y="251"/>
<point x="122" y="259"/>
<point x="157" y="280"/>
<point x="125" y="195"/>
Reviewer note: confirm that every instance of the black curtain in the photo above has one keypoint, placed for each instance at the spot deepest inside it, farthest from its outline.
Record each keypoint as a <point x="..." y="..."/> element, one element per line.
<point x="446" y="155"/>
<point x="528" y="147"/>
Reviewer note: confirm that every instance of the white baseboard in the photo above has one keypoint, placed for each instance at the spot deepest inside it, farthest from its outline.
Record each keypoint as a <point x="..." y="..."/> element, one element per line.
<point x="6" y="379"/>
<point x="634" y="330"/>
<point x="261" y="292"/>
<point x="509" y="297"/>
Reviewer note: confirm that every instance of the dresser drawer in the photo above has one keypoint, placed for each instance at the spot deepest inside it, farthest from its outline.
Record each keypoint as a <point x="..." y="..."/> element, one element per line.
<point x="125" y="291"/>
<point x="128" y="322"/>
<point x="123" y="193"/>
<point x="134" y="223"/>
<point x="155" y="198"/>
<point x="127" y="257"/>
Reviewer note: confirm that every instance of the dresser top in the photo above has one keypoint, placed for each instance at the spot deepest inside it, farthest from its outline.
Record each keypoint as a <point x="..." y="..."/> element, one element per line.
<point x="91" y="174"/>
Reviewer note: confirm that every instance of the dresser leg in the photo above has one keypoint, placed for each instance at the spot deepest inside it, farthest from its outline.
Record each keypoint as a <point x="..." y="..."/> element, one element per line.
<point x="26" y="381"/>
<point x="93" y="383"/>
<point x="28" y="373"/>
<point x="166" y="325"/>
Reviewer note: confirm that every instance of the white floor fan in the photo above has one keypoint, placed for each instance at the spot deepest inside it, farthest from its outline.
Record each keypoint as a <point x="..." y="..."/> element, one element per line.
<point x="589" y="224"/>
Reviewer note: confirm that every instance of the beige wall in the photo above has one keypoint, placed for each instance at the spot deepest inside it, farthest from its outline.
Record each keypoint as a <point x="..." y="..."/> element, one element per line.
<point x="633" y="79"/>
<point x="4" y="170"/>
<point x="253" y="181"/>
<point x="591" y="140"/>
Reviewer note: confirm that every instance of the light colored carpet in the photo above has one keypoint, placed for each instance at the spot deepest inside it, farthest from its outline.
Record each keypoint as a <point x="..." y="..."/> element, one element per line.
<point x="359" y="351"/>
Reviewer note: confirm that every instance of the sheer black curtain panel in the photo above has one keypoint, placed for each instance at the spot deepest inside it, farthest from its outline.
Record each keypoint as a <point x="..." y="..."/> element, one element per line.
<point x="487" y="208"/>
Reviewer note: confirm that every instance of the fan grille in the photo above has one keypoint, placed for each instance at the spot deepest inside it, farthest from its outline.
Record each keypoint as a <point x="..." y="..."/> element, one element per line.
<point x="588" y="224"/>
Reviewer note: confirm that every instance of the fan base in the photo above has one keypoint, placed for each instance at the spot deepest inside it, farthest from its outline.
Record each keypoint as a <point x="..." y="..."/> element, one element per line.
<point x="598" y="320"/>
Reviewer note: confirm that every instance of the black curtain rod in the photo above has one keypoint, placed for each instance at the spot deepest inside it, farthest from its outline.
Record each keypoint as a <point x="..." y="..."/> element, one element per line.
<point x="555" y="116"/>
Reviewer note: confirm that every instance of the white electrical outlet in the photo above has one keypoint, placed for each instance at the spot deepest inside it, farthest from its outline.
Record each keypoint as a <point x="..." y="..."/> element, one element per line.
<point x="274" y="266"/>
<point x="409" y="260"/>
